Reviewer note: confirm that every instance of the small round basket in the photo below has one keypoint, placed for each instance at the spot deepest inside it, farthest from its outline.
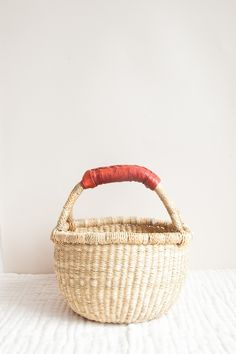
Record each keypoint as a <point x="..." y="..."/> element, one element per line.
<point x="120" y="270"/>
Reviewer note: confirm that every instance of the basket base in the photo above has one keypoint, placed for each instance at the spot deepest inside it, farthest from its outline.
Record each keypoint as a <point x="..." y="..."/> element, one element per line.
<point x="129" y="318"/>
<point x="91" y="318"/>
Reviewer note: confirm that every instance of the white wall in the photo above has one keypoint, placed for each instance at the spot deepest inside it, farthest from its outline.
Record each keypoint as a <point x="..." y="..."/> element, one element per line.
<point x="1" y="187"/>
<point x="90" y="83"/>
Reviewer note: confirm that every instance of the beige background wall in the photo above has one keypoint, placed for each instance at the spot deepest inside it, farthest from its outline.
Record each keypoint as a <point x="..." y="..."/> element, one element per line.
<point x="89" y="83"/>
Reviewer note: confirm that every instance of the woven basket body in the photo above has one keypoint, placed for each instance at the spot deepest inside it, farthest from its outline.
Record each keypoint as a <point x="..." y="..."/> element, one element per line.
<point x="119" y="270"/>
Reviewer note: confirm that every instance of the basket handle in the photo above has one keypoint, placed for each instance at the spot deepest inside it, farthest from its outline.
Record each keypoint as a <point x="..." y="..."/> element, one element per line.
<point x="117" y="173"/>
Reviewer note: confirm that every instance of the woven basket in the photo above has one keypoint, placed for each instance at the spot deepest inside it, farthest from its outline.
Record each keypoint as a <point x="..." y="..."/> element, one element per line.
<point x="120" y="270"/>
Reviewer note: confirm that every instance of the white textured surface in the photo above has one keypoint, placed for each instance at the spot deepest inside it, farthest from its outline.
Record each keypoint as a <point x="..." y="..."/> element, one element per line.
<point x="35" y="319"/>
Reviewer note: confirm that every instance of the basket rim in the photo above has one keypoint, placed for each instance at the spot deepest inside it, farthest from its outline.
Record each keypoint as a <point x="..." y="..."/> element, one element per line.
<point x="83" y="236"/>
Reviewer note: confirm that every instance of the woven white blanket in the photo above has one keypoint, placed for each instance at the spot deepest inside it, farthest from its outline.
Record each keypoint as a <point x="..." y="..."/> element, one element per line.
<point x="35" y="320"/>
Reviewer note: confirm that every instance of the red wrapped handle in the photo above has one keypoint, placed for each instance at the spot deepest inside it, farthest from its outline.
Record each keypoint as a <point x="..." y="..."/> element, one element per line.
<point x="119" y="173"/>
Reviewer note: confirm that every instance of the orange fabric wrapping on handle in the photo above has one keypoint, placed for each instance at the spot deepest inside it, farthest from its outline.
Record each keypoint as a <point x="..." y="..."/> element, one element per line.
<point x="119" y="173"/>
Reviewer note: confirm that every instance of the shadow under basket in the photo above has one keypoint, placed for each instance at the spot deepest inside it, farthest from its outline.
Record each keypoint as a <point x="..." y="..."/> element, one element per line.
<point x="120" y="270"/>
